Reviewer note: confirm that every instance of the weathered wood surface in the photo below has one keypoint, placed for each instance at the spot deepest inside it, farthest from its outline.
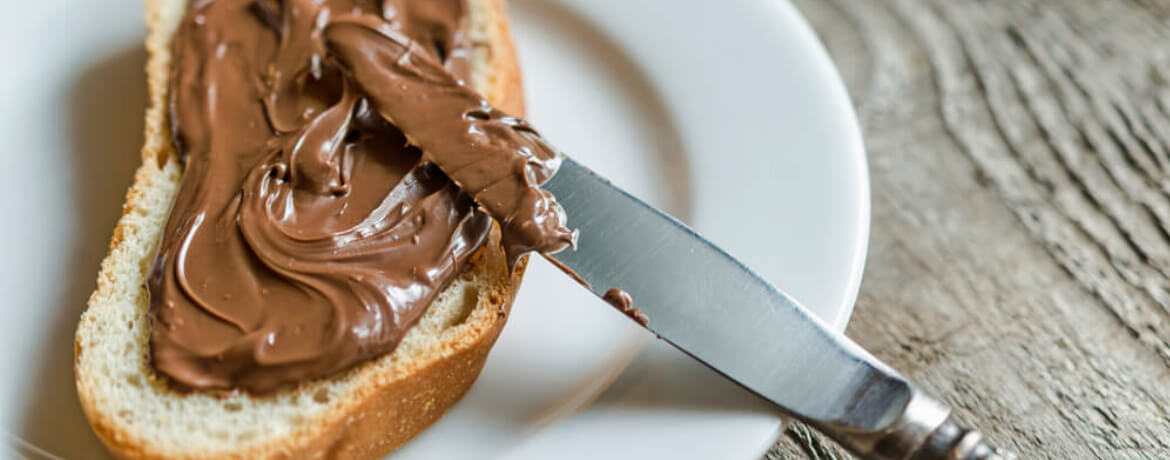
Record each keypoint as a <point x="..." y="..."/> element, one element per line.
<point x="1019" y="261"/>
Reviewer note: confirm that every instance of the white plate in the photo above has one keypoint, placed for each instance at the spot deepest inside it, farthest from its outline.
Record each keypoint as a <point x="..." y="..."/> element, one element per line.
<point x="731" y="117"/>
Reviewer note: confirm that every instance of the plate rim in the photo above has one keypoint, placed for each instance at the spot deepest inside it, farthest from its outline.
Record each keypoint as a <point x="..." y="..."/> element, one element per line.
<point x="824" y="62"/>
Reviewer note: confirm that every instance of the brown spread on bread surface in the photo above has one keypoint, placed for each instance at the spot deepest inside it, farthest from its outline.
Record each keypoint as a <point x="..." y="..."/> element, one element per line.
<point x="337" y="171"/>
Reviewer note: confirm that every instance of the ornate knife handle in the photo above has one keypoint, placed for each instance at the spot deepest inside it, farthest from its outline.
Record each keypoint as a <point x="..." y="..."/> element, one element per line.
<point x="924" y="431"/>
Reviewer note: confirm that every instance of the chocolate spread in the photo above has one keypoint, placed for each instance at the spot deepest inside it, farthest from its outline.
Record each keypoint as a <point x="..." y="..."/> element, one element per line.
<point x="333" y="162"/>
<point x="622" y="301"/>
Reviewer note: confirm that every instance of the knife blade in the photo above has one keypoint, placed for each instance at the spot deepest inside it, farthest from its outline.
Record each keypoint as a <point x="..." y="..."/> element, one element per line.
<point x="712" y="307"/>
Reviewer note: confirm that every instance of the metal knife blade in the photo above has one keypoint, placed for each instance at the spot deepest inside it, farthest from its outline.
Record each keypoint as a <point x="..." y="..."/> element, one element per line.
<point x="709" y="305"/>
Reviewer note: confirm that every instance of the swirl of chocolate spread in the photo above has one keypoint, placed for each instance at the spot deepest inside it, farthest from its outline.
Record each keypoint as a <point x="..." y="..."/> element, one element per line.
<point x="336" y="174"/>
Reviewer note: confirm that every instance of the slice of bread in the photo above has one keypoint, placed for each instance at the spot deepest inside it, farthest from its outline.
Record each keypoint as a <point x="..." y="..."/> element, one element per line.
<point x="364" y="412"/>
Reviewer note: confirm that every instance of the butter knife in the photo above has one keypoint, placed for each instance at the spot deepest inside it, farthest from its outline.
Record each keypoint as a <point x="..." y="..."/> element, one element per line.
<point x="709" y="305"/>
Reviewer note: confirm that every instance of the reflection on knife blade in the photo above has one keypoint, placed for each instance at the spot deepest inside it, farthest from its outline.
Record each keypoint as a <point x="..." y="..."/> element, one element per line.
<point x="712" y="307"/>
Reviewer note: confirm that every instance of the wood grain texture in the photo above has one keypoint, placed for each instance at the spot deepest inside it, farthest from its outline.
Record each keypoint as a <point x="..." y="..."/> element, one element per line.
<point x="1019" y="264"/>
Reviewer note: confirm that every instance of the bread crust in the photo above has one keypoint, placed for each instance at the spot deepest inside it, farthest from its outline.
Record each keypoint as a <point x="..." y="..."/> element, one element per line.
<point x="387" y="410"/>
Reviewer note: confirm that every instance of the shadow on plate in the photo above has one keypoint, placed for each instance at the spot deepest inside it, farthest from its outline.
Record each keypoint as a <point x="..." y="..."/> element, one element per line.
<point x="105" y="124"/>
<point x="665" y="379"/>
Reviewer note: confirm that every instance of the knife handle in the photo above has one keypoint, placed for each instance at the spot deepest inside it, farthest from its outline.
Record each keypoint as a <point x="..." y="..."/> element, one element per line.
<point x="924" y="431"/>
<point x="953" y="442"/>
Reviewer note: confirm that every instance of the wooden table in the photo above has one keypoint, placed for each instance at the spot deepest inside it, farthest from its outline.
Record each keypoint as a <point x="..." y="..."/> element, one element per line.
<point x="1020" y="252"/>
